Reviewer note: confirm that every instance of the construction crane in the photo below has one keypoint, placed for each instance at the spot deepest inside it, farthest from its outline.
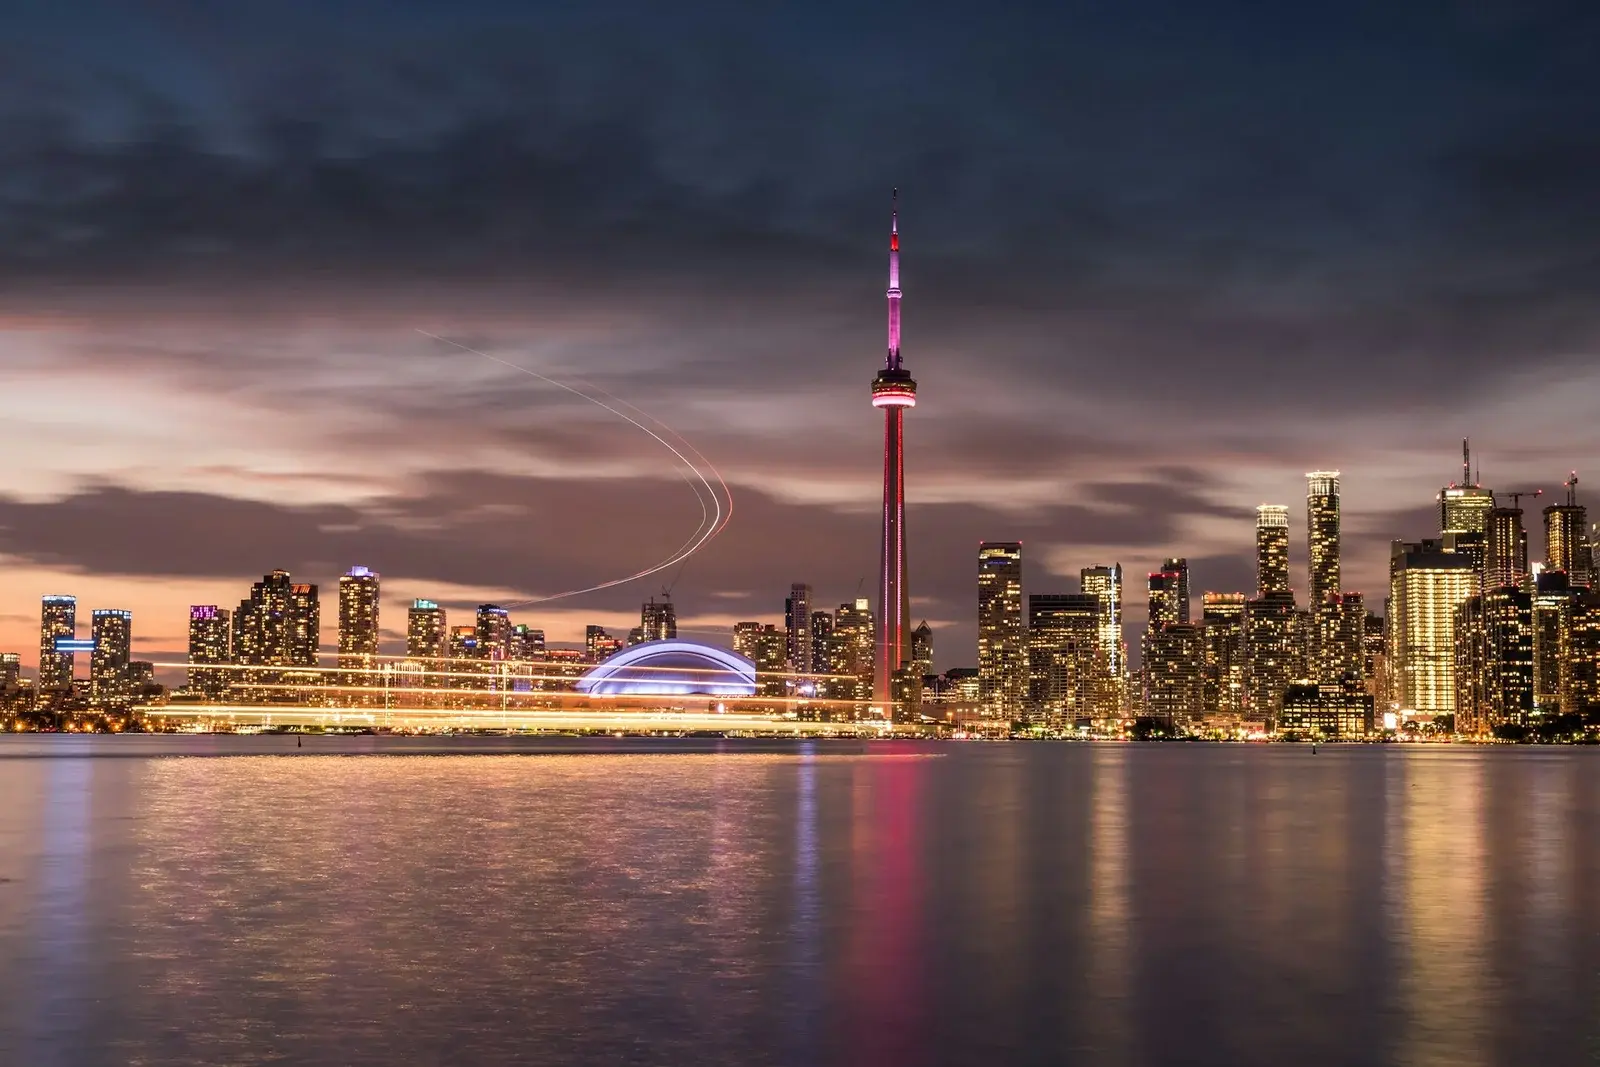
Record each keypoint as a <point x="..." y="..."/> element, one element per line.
<point x="1516" y="498"/>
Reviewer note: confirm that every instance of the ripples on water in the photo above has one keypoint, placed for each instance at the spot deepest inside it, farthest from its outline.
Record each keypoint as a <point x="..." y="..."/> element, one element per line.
<point x="796" y="903"/>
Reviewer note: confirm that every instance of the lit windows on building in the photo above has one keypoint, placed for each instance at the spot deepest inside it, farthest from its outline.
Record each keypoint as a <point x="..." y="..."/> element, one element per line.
<point x="358" y="625"/>
<point x="1002" y="639"/>
<point x="427" y="634"/>
<point x="58" y="618"/>
<point x="210" y="642"/>
<point x="1272" y="550"/>
<point x="1426" y="586"/>
<point x="110" y="687"/>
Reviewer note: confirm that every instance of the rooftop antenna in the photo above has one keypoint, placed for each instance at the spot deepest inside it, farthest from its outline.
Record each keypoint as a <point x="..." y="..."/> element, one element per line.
<point x="1466" y="463"/>
<point x="1572" y="489"/>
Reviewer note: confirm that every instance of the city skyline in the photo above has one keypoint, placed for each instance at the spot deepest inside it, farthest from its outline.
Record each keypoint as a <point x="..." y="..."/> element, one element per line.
<point x="1125" y="349"/>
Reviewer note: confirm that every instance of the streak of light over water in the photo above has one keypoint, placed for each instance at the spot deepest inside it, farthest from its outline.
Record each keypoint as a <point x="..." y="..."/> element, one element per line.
<point x="795" y="902"/>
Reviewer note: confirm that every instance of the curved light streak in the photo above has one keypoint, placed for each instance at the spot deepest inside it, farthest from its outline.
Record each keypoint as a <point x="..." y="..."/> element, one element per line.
<point x="703" y="533"/>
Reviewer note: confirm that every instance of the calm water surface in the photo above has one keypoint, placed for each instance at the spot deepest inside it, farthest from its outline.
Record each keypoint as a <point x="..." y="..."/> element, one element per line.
<point x="234" y="901"/>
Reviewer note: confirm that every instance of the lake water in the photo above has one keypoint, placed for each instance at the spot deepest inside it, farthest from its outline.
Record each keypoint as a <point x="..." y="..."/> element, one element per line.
<point x="238" y="901"/>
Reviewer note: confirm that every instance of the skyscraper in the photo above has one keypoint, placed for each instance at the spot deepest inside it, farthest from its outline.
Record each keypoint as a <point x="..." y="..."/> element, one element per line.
<point x="358" y="625"/>
<point x="305" y="625"/>
<point x="853" y="639"/>
<point x="1464" y="506"/>
<point x="1174" y="673"/>
<point x="1222" y="633"/>
<point x="1271" y="656"/>
<point x="1322" y="535"/>
<point x="493" y="632"/>
<point x="1165" y="589"/>
<point x="893" y="390"/>
<point x="1105" y="582"/>
<point x="1272" y="550"/>
<point x="1426" y="586"/>
<point x="109" y="684"/>
<point x="922" y="649"/>
<point x="658" y="620"/>
<point x="1067" y="671"/>
<point x="210" y="642"/>
<point x="1505" y="556"/>
<point x="427" y="636"/>
<point x="58" y="618"/>
<point x="1180" y="566"/>
<point x="1566" y="537"/>
<point x="1002" y="642"/>
<point x="1494" y="660"/>
<point x="797" y="628"/>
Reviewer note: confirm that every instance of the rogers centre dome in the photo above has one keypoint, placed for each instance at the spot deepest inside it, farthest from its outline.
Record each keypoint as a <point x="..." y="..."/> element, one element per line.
<point x="671" y="668"/>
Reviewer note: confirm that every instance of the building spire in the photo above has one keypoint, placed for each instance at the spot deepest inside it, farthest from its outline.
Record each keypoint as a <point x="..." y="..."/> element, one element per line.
<point x="892" y="362"/>
<point x="1466" y="463"/>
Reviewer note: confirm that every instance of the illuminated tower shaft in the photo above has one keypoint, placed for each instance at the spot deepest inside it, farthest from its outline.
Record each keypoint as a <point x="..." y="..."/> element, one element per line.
<point x="893" y="390"/>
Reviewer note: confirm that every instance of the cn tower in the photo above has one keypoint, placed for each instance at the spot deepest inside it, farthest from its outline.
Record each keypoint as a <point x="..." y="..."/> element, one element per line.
<point x="893" y="390"/>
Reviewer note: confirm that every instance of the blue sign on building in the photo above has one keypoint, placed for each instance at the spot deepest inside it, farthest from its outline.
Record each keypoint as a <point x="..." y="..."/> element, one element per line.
<point x="74" y="644"/>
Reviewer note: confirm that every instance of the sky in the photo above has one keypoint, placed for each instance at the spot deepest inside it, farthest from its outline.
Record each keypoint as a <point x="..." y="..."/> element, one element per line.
<point x="1159" y="260"/>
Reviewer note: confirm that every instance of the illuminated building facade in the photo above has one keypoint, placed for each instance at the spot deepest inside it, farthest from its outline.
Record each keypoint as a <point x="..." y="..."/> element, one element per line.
<point x="1002" y="640"/>
<point x="305" y="625"/>
<point x="922" y="650"/>
<point x="1581" y="694"/>
<point x="1494" y="660"/>
<point x="598" y="644"/>
<point x="110" y="687"/>
<point x="493" y="624"/>
<point x="210" y="642"/>
<point x="358" y="617"/>
<point x="797" y="628"/>
<point x="1272" y="654"/>
<point x="277" y="626"/>
<point x="1174" y="673"/>
<point x="1067" y="671"/>
<point x="1329" y="711"/>
<point x="853" y="642"/>
<point x="1566" y="539"/>
<point x="1222" y="633"/>
<point x="1552" y="616"/>
<point x="528" y="644"/>
<point x="767" y="647"/>
<point x="1105" y="582"/>
<point x="824" y="654"/>
<point x="462" y="647"/>
<point x="1272" y="550"/>
<point x="1322" y="571"/>
<point x="58" y="618"/>
<point x="893" y="391"/>
<point x="1426" y="585"/>
<point x="1464" y="506"/>
<point x="1505" y="548"/>
<point x="10" y="669"/>
<point x="1166" y="599"/>
<point x="658" y="620"/>
<point x="427" y="632"/>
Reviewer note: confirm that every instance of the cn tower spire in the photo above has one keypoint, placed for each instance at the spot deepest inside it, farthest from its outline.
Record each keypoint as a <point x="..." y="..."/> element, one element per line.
<point x="893" y="360"/>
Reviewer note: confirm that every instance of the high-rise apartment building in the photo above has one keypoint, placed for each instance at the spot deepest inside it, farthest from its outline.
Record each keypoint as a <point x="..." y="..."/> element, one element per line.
<point x="494" y="632"/>
<point x="305" y="625"/>
<point x="58" y="618"/>
<point x="110" y="688"/>
<point x="797" y="628"/>
<point x="768" y="648"/>
<point x="824" y="653"/>
<point x="358" y="625"/>
<point x="658" y="620"/>
<point x="427" y="633"/>
<point x="1566" y="538"/>
<point x="528" y="644"/>
<point x="1174" y="673"/>
<point x="1272" y="550"/>
<point x="1105" y="582"/>
<point x="1581" y="688"/>
<point x="1505" y="549"/>
<point x="853" y="638"/>
<point x="10" y="670"/>
<point x="1551" y="610"/>
<point x="1426" y="586"/>
<point x="1322" y="535"/>
<point x="1272" y="656"/>
<point x="462" y="647"/>
<point x="1067" y="671"/>
<point x="277" y="626"/>
<point x="1222" y="634"/>
<point x="210" y="642"/>
<point x="1180" y="566"/>
<point x="1002" y="639"/>
<point x="1165" y="590"/>
<point x="1494" y="660"/>
<point x="598" y="644"/>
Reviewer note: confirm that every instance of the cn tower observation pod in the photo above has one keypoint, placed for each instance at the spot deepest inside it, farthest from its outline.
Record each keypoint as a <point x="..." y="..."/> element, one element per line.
<point x="671" y="668"/>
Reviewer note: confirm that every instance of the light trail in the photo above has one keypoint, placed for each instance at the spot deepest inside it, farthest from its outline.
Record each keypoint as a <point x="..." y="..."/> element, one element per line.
<point x="703" y="533"/>
<point x="510" y="669"/>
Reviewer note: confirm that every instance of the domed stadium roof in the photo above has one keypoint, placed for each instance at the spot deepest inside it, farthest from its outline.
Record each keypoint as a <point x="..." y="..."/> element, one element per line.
<point x="671" y="668"/>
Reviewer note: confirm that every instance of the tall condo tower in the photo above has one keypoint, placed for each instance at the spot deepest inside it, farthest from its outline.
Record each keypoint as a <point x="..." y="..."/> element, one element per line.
<point x="1464" y="506"/>
<point x="1272" y="550"/>
<point x="1322" y="534"/>
<point x="893" y="390"/>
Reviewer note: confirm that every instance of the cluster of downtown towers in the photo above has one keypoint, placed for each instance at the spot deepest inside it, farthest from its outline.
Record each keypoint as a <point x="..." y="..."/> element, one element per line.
<point x="1470" y="629"/>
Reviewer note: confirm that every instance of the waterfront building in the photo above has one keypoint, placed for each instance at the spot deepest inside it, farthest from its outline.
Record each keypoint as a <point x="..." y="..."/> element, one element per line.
<point x="597" y="643"/>
<point x="1330" y="711"/>
<point x="1272" y="550"/>
<point x="922" y="649"/>
<point x="1494" y="660"/>
<point x="1167" y="595"/>
<point x="58" y="619"/>
<point x="493" y="625"/>
<point x="305" y="625"/>
<point x="528" y="644"/>
<point x="1067" y="672"/>
<point x="1222" y="633"/>
<point x="824" y="654"/>
<point x="1551" y="618"/>
<point x="210" y="642"/>
<point x="764" y="645"/>
<point x="853" y="643"/>
<point x="893" y="391"/>
<point x="1426" y="585"/>
<point x="426" y="631"/>
<point x="358" y="626"/>
<point x="1322" y="569"/>
<point x="1105" y="582"/>
<point x="276" y="627"/>
<point x="10" y="669"/>
<point x="797" y="628"/>
<point x="110" y="687"/>
<point x="461" y="649"/>
<point x="1002" y="639"/>
<point x="1581" y="695"/>
<point x="1174" y="673"/>
<point x="1272" y="654"/>
<point x="658" y="620"/>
